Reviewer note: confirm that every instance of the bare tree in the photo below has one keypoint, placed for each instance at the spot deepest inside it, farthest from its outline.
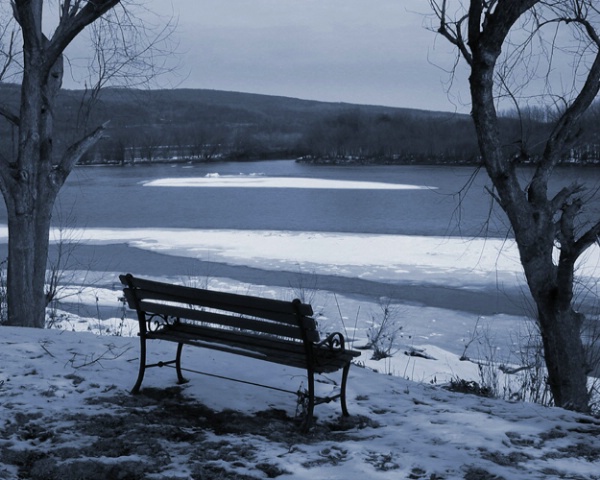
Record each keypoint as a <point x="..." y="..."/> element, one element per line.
<point x="31" y="179"/>
<point x="502" y="42"/>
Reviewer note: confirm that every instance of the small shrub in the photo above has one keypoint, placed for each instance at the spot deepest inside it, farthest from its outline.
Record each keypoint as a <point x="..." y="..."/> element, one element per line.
<point x="384" y="331"/>
<point x="305" y="286"/>
<point x="529" y="382"/>
<point x="469" y="386"/>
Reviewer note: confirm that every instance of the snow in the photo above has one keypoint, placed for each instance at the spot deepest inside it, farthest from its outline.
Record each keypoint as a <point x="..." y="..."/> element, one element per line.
<point x="258" y="181"/>
<point x="407" y="425"/>
<point x="415" y="428"/>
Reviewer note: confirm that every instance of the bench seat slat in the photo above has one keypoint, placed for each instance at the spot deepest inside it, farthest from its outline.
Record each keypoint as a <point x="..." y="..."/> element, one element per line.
<point x="324" y="363"/>
<point x="254" y="346"/>
<point x="249" y="339"/>
<point x="232" y="345"/>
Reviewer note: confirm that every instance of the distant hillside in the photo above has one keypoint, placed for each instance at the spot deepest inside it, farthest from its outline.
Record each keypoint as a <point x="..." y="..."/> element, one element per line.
<point x="209" y="125"/>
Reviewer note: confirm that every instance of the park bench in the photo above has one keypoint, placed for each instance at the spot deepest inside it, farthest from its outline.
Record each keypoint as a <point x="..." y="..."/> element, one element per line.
<point x="281" y="332"/>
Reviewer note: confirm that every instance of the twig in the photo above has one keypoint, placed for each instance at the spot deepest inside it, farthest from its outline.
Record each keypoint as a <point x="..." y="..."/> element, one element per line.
<point x="43" y="345"/>
<point x="98" y="359"/>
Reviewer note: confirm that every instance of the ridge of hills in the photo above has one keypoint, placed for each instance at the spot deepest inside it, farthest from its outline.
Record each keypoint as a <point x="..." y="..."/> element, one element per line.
<point x="198" y="103"/>
<point x="213" y="125"/>
<point x="205" y="125"/>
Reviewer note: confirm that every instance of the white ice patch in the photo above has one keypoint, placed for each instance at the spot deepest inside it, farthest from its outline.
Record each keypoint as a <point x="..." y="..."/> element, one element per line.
<point x="253" y="181"/>
<point x="449" y="261"/>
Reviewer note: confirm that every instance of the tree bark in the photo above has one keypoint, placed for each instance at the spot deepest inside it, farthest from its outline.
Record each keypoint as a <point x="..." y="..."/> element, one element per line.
<point x="21" y="182"/>
<point x="30" y="195"/>
<point x="28" y="253"/>
<point x="564" y="355"/>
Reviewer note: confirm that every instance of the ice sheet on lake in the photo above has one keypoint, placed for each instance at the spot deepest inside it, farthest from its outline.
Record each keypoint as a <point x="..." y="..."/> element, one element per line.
<point x="449" y="261"/>
<point x="455" y="261"/>
<point x="251" y="181"/>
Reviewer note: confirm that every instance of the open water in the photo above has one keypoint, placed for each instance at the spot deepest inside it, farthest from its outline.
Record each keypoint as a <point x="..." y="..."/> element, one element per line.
<point x="456" y="204"/>
<point x="116" y="197"/>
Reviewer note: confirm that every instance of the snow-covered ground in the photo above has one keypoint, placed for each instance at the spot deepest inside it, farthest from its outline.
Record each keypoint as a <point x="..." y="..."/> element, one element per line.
<point x="406" y="424"/>
<point x="66" y="413"/>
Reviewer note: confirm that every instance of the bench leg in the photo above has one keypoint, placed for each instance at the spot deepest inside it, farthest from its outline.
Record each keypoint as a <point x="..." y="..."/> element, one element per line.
<point x="138" y="383"/>
<point x="308" y="419"/>
<point x="343" y="390"/>
<point x="180" y="378"/>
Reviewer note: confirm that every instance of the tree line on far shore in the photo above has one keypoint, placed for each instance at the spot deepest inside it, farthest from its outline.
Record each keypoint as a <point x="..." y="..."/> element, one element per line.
<point x="152" y="126"/>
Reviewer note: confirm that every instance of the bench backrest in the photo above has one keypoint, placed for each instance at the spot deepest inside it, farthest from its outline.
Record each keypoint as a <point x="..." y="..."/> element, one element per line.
<point x="284" y="319"/>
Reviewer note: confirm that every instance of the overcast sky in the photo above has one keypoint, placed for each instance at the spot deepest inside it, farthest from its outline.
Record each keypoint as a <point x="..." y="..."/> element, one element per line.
<point x="357" y="51"/>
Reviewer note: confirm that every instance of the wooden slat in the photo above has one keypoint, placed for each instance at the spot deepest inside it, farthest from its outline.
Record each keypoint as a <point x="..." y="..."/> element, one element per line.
<point x="288" y="318"/>
<point x="267" y="352"/>
<point x="252" y="341"/>
<point x="220" y="320"/>
<point x="326" y="361"/>
<point x="219" y="300"/>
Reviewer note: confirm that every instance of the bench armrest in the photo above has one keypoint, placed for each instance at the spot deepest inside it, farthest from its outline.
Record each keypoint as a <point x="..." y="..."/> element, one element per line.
<point x="157" y="322"/>
<point x="334" y="342"/>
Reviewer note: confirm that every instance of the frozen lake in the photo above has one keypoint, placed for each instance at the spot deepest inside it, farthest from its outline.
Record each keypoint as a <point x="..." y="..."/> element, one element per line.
<point x="343" y="237"/>
<point x="411" y="233"/>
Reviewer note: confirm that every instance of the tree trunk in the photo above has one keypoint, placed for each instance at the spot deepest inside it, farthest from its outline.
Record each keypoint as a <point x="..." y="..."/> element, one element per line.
<point x="551" y="287"/>
<point x="28" y="184"/>
<point x="28" y="253"/>
<point x="29" y="194"/>
<point x="565" y="358"/>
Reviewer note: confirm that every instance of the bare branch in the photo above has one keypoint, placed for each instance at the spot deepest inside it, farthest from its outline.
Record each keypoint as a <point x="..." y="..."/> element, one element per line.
<point x="561" y="135"/>
<point x="9" y="54"/>
<point x="586" y="240"/>
<point x="494" y="195"/>
<point x="10" y="116"/>
<point x="74" y="153"/>
<point x="128" y="51"/>
<point x="72" y="22"/>
<point x="562" y="197"/>
<point x="566" y="228"/>
<point x="451" y="30"/>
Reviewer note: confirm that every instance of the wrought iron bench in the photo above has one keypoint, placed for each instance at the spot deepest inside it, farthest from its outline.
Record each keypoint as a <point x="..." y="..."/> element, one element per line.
<point x="276" y="331"/>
